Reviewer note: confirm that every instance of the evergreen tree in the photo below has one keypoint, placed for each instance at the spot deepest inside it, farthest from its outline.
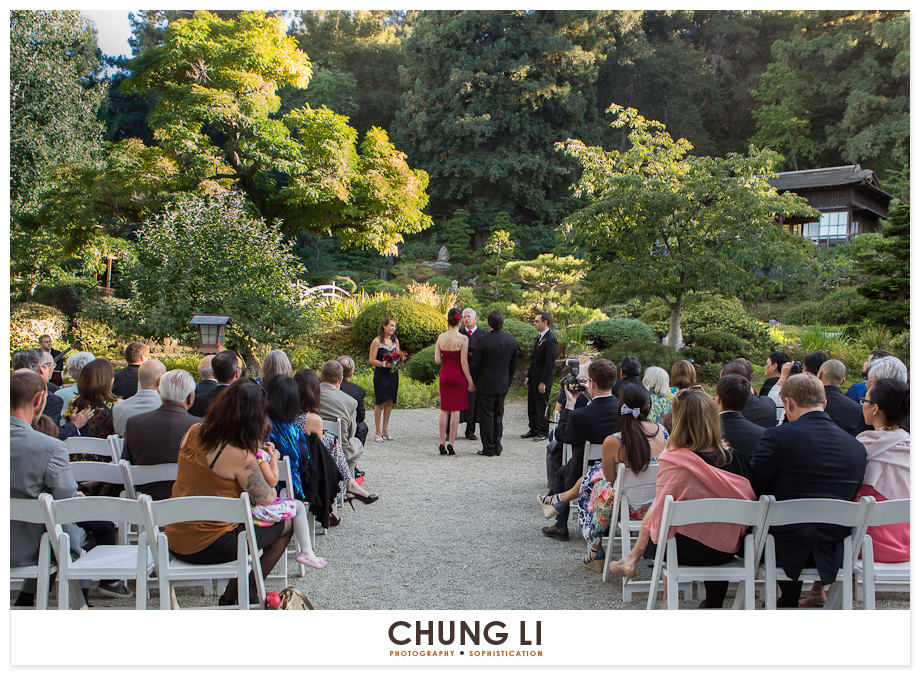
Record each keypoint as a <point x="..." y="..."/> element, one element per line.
<point x="889" y="268"/>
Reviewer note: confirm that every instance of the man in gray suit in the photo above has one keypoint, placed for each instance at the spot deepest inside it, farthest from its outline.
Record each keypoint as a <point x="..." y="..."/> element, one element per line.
<point x="338" y="404"/>
<point x="154" y="437"/>
<point x="145" y="400"/>
<point x="40" y="463"/>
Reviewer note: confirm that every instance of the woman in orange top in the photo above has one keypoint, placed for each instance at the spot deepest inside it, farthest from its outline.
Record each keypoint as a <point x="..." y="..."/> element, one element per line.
<point x="217" y="458"/>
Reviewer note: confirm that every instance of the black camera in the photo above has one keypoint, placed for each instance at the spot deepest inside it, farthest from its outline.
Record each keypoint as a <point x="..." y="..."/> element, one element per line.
<point x="571" y="381"/>
<point x="796" y="367"/>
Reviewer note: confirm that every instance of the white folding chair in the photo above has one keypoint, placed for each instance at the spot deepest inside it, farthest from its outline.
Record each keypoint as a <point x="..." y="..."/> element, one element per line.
<point x="217" y="509"/>
<point x="822" y="511"/>
<point x="695" y="511"/>
<point x="31" y="511"/>
<point x="335" y="428"/>
<point x="285" y="489"/>
<point x="116" y="443"/>
<point x="878" y="576"/>
<point x="140" y="475"/>
<point x="105" y="472"/>
<point x="101" y="562"/>
<point x="86" y="445"/>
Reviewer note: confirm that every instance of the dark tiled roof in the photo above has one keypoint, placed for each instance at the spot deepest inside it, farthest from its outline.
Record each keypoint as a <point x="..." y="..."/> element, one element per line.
<point x="837" y="175"/>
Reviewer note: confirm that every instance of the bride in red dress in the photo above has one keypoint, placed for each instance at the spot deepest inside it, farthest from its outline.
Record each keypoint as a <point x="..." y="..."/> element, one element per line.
<point x="450" y="352"/>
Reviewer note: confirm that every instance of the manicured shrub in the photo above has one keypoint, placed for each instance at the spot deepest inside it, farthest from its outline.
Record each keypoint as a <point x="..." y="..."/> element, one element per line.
<point x="524" y="333"/>
<point x="844" y="305"/>
<point x="422" y="367"/>
<point x="602" y="334"/>
<point x="700" y="355"/>
<point x="802" y="314"/>
<point x="411" y="394"/>
<point x="417" y="325"/>
<point x="31" y="320"/>
<point x="304" y="356"/>
<point x="187" y="361"/>
<point x="94" y="335"/>
<point x="708" y="372"/>
<point x="698" y="320"/>
<point x="648" y="353"/>
<point x="726" y="345"/>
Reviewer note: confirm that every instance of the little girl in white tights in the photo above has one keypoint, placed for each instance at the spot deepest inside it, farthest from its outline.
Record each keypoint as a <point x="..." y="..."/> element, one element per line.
<point x="282" y="509"/>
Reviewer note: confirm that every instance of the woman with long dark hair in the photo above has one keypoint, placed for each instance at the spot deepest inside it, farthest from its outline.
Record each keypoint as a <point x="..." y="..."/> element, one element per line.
<point x="94" y="392"/>
<point x="696" y="465"/>
<point x="386" y="378"/>
<point x="451" y="352"/>
<point x="218" y="458"/>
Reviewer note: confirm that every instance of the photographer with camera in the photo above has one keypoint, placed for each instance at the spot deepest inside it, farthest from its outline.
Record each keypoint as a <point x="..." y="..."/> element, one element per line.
<point x="591" y="424"/>
<point x="554" y="447"/>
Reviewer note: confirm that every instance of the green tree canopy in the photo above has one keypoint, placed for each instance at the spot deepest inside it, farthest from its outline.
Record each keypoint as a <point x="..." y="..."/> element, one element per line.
<point x="888" y="267"/>
<point x="217" y="113"/>
<point x="663" y="223"/>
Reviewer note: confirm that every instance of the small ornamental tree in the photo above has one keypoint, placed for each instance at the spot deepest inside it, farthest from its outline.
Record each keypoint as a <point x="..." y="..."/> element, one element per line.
<point x="212" y="256"/>
<point x="888" y="267"/>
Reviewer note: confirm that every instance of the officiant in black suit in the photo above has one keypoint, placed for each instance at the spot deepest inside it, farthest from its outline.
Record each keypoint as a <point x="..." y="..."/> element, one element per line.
<point x="473" y="332"/>
<point x="539" y="380"/>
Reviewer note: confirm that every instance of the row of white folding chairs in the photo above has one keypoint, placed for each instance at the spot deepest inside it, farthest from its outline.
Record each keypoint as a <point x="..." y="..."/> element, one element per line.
<point x="134" y="561"/>
<point x="761" y="516"/>
<point x="335" y="428"/>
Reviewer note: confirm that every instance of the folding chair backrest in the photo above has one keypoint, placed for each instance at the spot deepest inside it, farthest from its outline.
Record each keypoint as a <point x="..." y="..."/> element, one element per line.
<point x="733" y="511"/>
<point x="334" y="428"/>
<point x="27" y="511"/>
<point x="86" y="445"/>
<point x="824" y="511"/>
<point x="889" y="512"/>
<point x="593" y="453"/>
<point x="60" y="512"/>
<point x="116" y="443"/>
<point x="638" y="488"/>
<point x="139" y="476"/>
<point x="105" y="472"/>
<point x="285" y="478"/>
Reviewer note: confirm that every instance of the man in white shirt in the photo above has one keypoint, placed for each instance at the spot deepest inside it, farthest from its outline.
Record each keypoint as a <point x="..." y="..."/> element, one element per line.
<point x="145" y="400"/>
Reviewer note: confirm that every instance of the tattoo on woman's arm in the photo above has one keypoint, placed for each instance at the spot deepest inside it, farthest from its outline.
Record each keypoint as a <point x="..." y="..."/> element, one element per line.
<point x="256" y="486"/>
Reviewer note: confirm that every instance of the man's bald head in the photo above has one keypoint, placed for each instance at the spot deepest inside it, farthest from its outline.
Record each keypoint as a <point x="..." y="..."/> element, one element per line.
<point x="149" y="374"/>
<point x="204" y="368"/>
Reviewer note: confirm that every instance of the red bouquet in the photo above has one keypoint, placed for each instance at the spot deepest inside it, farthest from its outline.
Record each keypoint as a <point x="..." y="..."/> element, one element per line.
<point x="396" y="357"/>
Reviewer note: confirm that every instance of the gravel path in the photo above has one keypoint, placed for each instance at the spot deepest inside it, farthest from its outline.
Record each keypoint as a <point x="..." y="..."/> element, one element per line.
<point x="454" y="533"/>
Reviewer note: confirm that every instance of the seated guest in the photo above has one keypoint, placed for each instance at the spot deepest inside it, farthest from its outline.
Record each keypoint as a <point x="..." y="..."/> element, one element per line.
<point x="809" y="456"/>
<point x="336" y="404"/>
<point x="218" y="459"/>
<point x="696" y="465"/>
<point x="683" y="376"/>
<point x="145" y="400"/>
<point x="207" y="381"/>
<point x="858" y="389"/>
<point x="742" y="435"/>
<point x="356" y="392"/>
<point x="154" y="437"/>
<point x="309" y="421"/>
<point x="630" y="373"/>
<point x="637" y="443"/>
<point x="95" y="393"/>
<point x="591" y="424"/>
<point x="554" y="447"/>
<point x="656" y="381"/>
<point x="885" y="406"/>
<point x="75" y="363"/>
<point x="41" y="363"/>
<point x="226" y="368"/>
<point x="40" y="463"/>
<point x="771" y="371"/>
<point x="125" y="385"/>
<point x="276" y="362"/>
<point x="761" y="410"/>
<point x="315" y="480"/>
<point x="845" y="413"/>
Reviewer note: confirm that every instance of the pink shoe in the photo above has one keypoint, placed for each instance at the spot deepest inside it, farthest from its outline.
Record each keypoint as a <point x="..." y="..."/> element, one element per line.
<point x="303" y="559"/>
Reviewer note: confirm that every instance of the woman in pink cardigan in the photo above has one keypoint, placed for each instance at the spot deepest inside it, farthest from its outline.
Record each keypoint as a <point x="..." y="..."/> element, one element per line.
<point x="696" y="465"/>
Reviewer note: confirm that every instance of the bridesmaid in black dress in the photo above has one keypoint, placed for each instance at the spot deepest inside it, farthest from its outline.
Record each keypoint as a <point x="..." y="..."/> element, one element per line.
<point x="386" y="378"/>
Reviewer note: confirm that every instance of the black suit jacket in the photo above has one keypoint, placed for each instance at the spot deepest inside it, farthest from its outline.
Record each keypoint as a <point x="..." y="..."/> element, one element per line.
<point x="619" y="384"/>
<point x="543" y="360"/>
<point x="761" y="410"/>
<point x="591" y="424"/>
<point x="358" y="393"/>
<point x="845" y="412"/>
<point x="809" y="458"/>
<point x="768" y="385"/>
<point x="203" y="401"/>
<point x="494" y="361"/>
<point x="54" y="406"/>
<point x="740" y="433"/>
<point x="125" y="385"/>
<point x="474" y="338"/>
<point x="154" y="438"/>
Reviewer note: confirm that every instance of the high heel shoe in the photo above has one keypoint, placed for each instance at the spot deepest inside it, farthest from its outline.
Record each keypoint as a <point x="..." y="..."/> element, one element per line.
<point x="369" y="499"/>
<point x="624" y="570"/>
<point x="450" y="449"/>
<point x="594" y="561"/>
<point x="334" y="520"/>
<point x="441" y="449"/>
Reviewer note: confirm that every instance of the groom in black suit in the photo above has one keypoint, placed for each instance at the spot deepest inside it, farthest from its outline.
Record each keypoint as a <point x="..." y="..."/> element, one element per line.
<point x="540" y="377"/>
<point x="492" y="368"/>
